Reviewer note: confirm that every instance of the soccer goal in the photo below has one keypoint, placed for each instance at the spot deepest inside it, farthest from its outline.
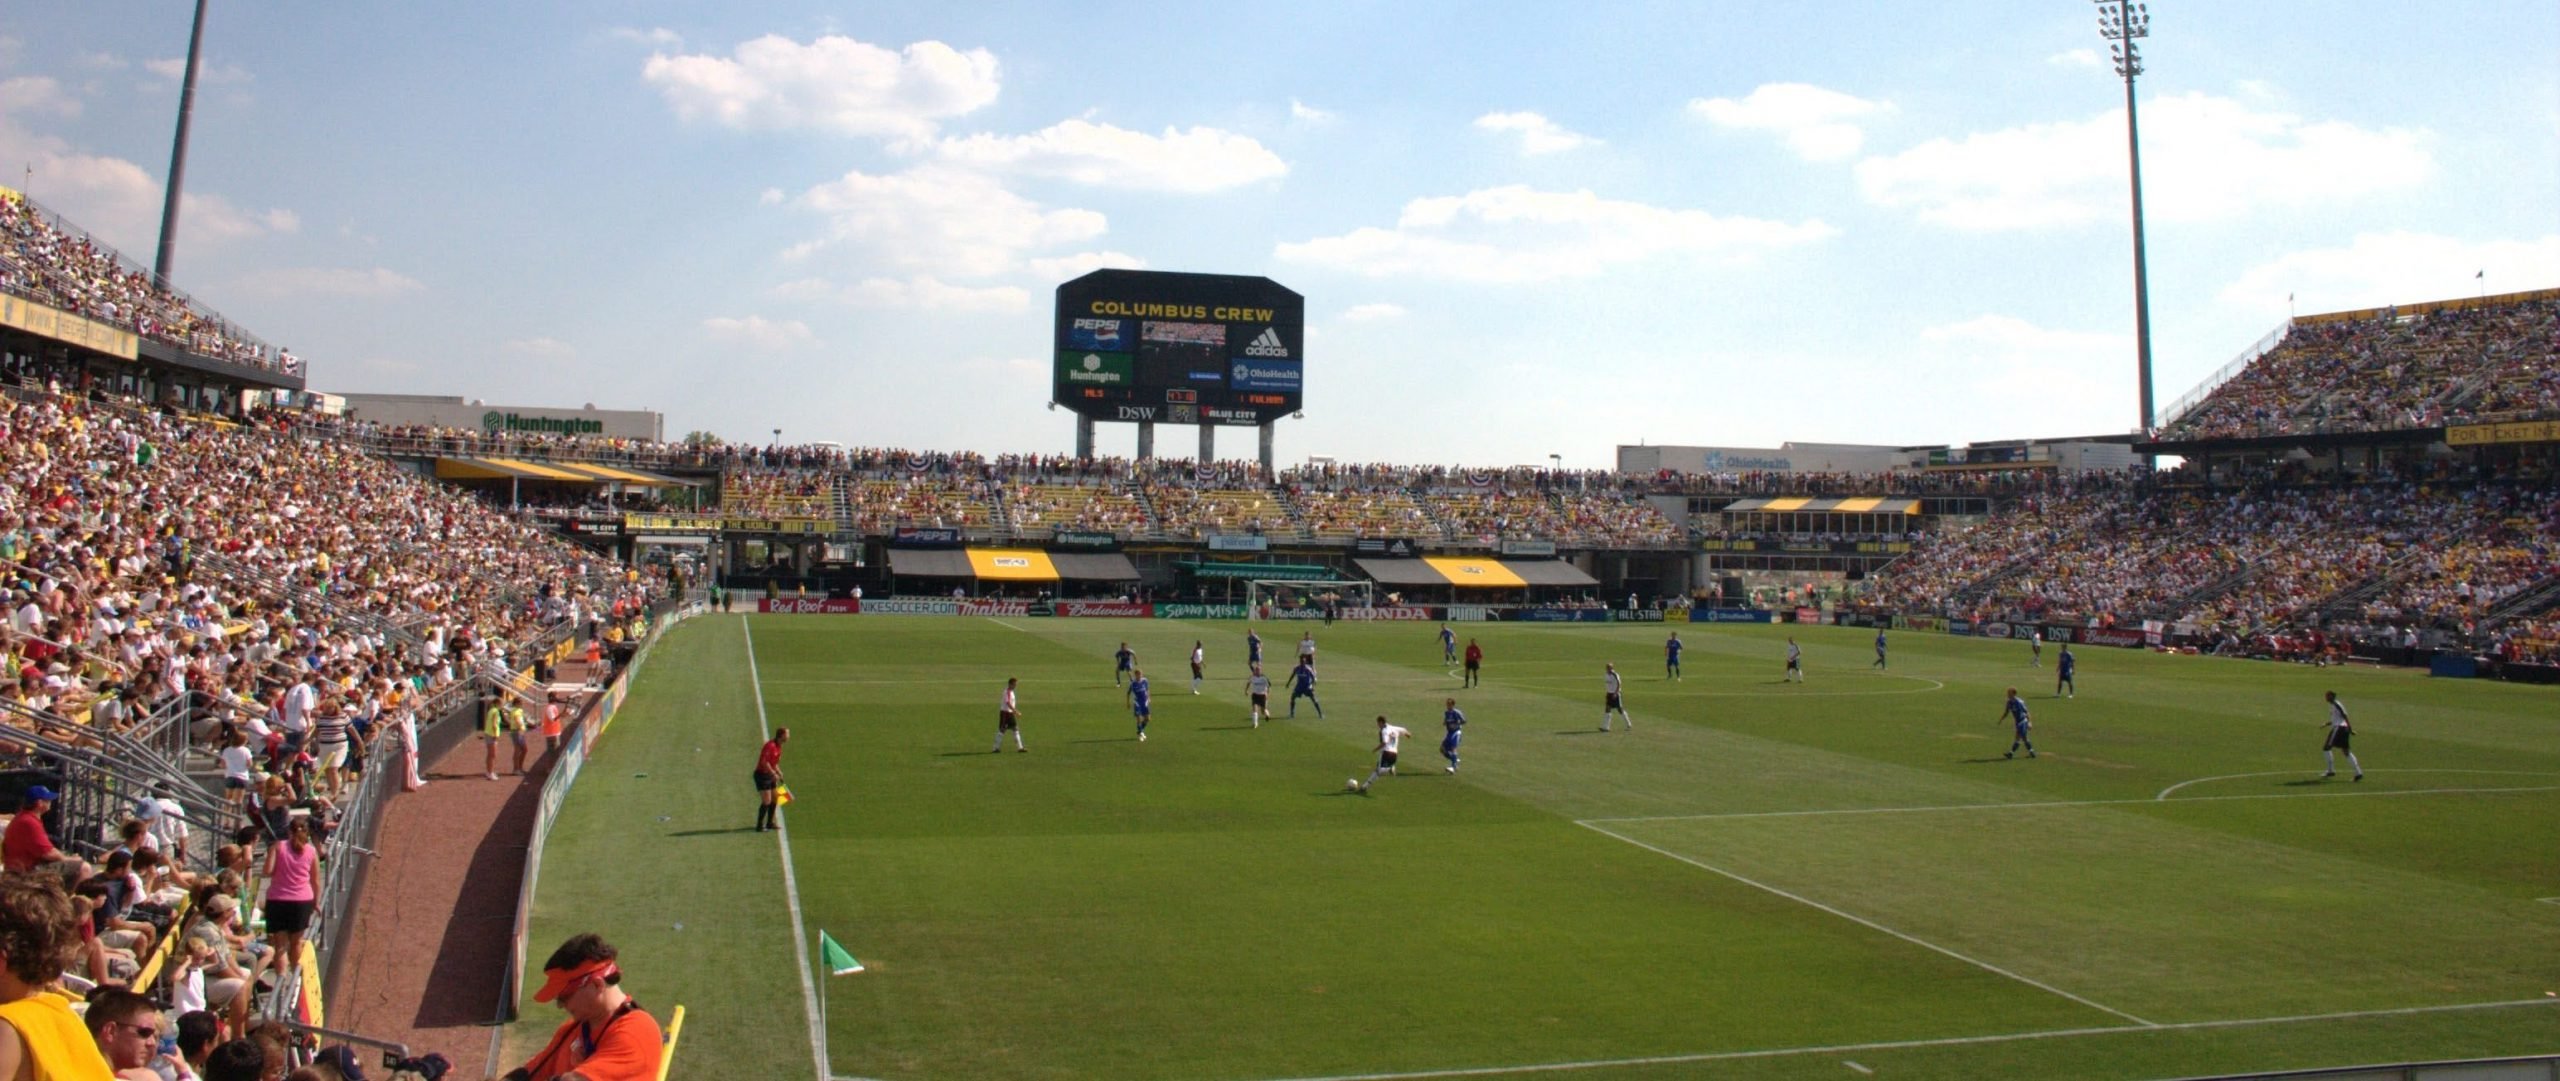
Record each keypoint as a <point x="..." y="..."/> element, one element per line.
<point x="1280" y="593"/>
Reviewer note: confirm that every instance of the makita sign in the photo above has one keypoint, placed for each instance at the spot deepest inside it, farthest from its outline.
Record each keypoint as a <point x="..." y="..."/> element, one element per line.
<point x="994" y="608"/>
<point x="810" y="605"/>
<point x="1105" y="609"/>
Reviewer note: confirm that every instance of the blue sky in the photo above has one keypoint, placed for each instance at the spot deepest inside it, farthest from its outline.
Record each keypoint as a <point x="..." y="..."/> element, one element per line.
<point x="1521" y="229"/>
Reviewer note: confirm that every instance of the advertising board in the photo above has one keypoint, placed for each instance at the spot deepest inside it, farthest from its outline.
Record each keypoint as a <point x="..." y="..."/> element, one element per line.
<point x="1560" y="615"/>
<point x="2112" y="636"/>
<point x="809" y="605"/>
<point x="994" y="608"/>
<point x="903" y="606"/>
<point x="1104" y="609"/>
<point x="1729" y="615"/>
<point x="1637" y="615"/>
<point x="1374" y="615"/>
<point x="1200" y="611"/>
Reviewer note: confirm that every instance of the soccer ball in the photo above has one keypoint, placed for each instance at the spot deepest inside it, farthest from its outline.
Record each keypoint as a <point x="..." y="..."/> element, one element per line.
<point x="1351" y="785"/>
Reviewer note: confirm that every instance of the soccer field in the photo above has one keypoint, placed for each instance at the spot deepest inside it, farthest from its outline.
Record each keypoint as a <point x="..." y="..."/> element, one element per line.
<point x="1762" y="879"/>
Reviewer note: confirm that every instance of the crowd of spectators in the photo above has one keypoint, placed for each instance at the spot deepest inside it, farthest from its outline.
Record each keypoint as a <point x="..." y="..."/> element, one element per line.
<point x="2114" y="550"/>
<point x="47" y="261"/>
<point x="283" y="610"/>
<point x="2391" y="371"/>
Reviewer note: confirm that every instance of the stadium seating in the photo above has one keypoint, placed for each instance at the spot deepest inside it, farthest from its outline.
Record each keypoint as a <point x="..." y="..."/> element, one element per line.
<point x="2391" y="371"/>
<point x="46" y="260"/>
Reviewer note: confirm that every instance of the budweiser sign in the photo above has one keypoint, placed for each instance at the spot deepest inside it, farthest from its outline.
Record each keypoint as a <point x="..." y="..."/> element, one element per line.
<point x="810" y="605"/>
<point x="1106" y="609"/>
<point x="2111" y="636"/>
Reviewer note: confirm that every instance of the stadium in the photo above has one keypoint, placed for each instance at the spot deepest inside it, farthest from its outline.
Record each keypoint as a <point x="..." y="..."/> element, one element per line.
<point x="329" y="714"/>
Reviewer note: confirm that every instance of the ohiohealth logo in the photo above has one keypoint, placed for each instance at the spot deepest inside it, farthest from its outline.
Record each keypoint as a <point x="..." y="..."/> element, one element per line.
<point x="1268" y="344"/>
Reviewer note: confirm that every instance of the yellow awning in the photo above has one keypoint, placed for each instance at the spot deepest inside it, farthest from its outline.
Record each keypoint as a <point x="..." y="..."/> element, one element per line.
<point x="1859" y="505"/>
<point x="1478" y="573"/>
<point x="541" y="471"/>
<point x="1013" y="564"/>
<point x="490" y="469"/>
<point x="1792" y="502"/>
<point x="621" y="476"/>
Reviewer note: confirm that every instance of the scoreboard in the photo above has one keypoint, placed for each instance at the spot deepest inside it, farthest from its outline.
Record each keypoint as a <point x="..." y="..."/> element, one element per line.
<point x="1138" y="345"/>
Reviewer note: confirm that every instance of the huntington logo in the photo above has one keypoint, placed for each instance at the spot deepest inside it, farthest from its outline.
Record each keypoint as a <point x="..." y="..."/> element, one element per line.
<point x="498" y="421"/>
<point x="1076" y="367"/>
<point x="1268" y="344"/>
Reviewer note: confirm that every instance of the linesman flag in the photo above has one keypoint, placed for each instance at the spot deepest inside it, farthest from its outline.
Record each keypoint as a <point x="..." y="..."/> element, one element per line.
<point x="839" y="962"/>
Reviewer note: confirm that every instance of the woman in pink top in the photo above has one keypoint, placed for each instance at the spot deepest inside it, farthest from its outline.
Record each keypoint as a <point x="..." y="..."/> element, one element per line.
<point x="292" y="876"/>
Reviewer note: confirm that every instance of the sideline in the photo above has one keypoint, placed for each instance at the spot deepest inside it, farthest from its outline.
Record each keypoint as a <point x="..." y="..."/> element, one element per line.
<point x="790" y="885"/>
<point x="1901" y="1045"/>
<point x="1862" y="921"/>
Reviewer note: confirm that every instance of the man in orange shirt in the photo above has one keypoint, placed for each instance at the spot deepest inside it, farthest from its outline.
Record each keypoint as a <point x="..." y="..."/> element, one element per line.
<point x="607" y="1037"/>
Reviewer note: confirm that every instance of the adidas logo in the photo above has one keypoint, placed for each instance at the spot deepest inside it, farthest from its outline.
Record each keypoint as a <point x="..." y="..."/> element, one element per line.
<point x="1267" y="344"/>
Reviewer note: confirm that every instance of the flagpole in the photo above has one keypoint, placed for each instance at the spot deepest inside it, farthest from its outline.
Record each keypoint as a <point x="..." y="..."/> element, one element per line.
<point x="826" y="1062"/>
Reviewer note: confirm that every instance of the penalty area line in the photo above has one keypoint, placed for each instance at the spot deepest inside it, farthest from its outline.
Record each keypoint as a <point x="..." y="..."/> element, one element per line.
<point x="2151" y="802"/>
<point x="1862" y="921"/>
<point x="1904" y="1045"/>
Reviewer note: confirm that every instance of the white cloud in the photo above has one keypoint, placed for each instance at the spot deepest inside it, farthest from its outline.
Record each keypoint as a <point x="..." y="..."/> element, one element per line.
<point x="656" y="37"/>
<point x="1818" y="124"/>
<point x="1198" y="160"/>
<point x="2204" y="158"/>
<point x="936" y="219"/>
<point x="546" y="348"/>
<point x="770" y="197"/>
<point x="1308" y="114"/>
<point x="933" y="295"/>
<point x="213" y="218"/>
<point x="1070" y="267"/>
<point x="1516" y="234"/>
<point x="1538" y="135"/>
<point x="33" y="94"/>
<point x="331" y="281"/>
<point x="832" y="84"/>
<point x="2077" y="58"/>
<point x="757" y="332"/>
<point x="1371" y="313"/>
<point x="175" y="67"/>
<point x="2376" y="269"/>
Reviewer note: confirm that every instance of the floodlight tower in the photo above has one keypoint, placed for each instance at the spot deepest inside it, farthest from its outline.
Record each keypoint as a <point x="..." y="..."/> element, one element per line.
<point x="178" y="154"/>
<point x="2123" y="23"/>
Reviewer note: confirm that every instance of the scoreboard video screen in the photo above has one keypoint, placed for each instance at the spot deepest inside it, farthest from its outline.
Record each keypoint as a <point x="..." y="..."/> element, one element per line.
<point x="1139" y="345"/>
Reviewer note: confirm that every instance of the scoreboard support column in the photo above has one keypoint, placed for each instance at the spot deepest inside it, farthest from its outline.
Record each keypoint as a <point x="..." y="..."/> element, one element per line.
<point x="1266" y="428"/>
<point x="1146" y="440"/>
<point x="1208" y="444"/>
<point x="1084" y="436"/>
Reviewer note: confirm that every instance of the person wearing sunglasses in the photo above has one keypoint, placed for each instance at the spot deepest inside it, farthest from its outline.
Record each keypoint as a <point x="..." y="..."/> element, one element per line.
<point x="607" y="1037"/>
<point x="126" y="1027"/>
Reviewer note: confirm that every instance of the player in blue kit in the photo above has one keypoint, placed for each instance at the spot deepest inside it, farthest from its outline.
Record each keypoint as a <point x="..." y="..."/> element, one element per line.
<point x="1448" y="645"/>
<point x="1879" y="647"/>
<point x="2063" y="668"/>
<point x="1252" y="648"/>
<point x="2016" y="710"/>
<point x="1302" y="684"/>
<point x="1671" y="656"/>
<point x="1123" y="661"/>
<point x="1456" y="724"/>
<point x="1139" y="695"/>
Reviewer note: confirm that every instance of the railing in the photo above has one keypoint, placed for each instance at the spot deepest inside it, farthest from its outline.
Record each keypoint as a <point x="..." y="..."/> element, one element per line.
<point x="99" y="784"/>
<point x="2187" y="402"/>
<point x="242" y="346"/>
<point x="260" y="579"/>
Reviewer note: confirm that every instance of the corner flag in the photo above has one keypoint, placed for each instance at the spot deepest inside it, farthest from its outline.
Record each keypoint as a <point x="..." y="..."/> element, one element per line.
<point x="839" y="963"/>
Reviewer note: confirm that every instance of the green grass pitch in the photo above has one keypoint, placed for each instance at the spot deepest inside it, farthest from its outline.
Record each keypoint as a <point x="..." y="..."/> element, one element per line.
<point x="1762" y="880"/>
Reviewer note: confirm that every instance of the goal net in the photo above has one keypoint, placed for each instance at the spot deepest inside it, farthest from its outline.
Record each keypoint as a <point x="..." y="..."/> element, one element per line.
<point x="1264" y="596"/>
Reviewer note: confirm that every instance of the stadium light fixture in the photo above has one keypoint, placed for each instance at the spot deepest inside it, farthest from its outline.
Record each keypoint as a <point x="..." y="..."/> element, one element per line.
<point x="2123" y="23"/>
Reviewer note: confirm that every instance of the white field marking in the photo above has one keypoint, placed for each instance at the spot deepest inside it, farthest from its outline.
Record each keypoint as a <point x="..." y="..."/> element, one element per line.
<point x="1933" y="685"/>
<point x="790" y="885"/>
<point x="2164" y="793"/>
<point x="1905" y="1045"/>
<point x="1862" y="921"/>
<point x="2549" y="900"/>
<point x="2341" y="794"/>
<point x="1855" y="1066"/>
<point x="1009" y="626"/>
